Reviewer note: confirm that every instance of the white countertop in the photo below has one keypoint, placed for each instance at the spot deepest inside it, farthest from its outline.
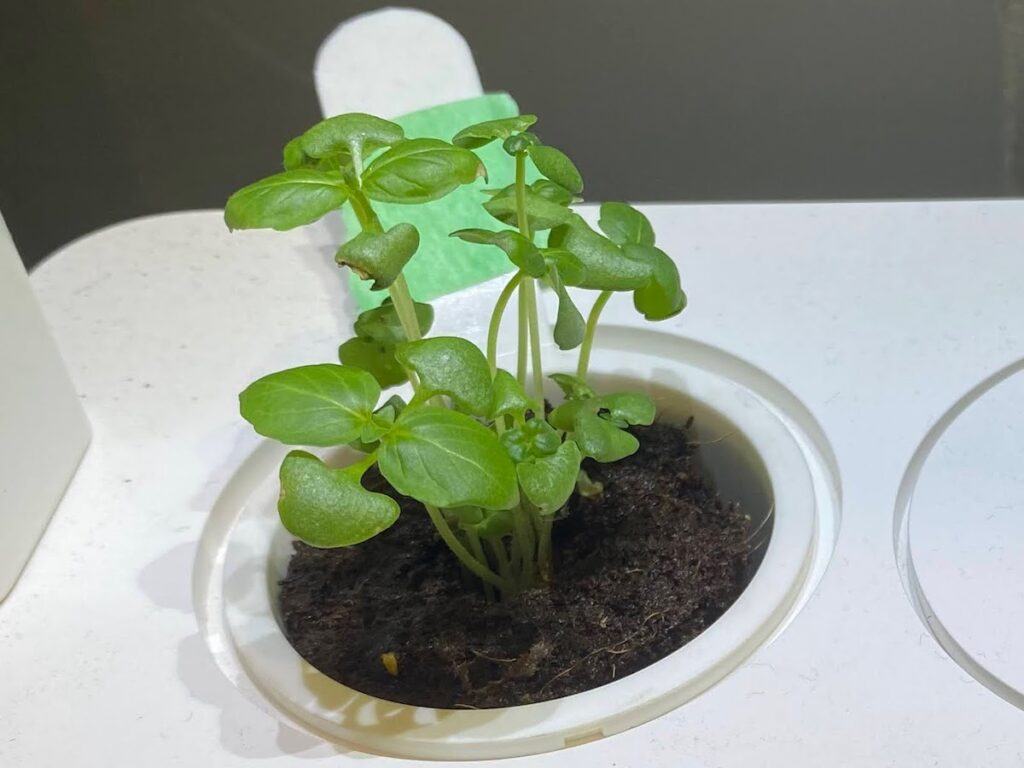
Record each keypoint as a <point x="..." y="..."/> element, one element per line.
<point x="878" y="316"/>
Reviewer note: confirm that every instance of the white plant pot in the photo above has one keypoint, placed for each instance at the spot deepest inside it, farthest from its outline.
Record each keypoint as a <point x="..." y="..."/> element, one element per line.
<point x="754" y="450"/>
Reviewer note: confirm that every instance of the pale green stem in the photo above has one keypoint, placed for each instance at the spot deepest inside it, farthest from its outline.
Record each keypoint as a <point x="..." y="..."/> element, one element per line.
<point x="588" y="335"/>
<point x="464" y="555"/>
<point x="544" y="549"/>
<point x="496" y="315"/>
<point x="521" y="361"/>
<point x="529" y="285"/>
<point x="524" y="534"/>
<point x="478" y="552"/>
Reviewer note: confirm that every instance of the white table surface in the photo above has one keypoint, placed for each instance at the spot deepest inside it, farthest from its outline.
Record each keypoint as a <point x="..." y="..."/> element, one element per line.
<point x="878" y="316"/>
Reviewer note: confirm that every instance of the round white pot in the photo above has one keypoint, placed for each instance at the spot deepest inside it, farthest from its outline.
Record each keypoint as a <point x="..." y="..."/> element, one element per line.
<point x="750" y="452"/>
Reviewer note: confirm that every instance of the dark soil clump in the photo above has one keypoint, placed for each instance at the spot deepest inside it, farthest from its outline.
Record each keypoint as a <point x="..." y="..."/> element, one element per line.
<point x="639" y="571"/>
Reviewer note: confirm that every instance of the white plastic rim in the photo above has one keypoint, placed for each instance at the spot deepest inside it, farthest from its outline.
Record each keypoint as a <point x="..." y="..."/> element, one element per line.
<point x="745" y="430"/>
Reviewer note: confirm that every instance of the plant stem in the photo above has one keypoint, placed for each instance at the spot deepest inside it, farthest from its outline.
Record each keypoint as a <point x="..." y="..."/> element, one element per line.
<point x="588" y="335"/>
<point x="405" y="308"/>
<point x="496" y="315"/>
<point x="521" y="361"/>
<point x="524" y="536"/>
<point x="544" y="549"/>
<point x="478" y="552"/>
<point x="500" y="556"/>
<point x="529" y="285"/>
<point x="465" y="557"/>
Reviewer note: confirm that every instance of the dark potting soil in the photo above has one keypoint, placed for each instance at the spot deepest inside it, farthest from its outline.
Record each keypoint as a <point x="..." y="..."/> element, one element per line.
<point x="639" y="571"/>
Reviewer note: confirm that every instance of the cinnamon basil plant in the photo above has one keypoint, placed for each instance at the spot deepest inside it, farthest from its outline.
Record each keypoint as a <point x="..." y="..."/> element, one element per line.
<point x="474" y="444"/>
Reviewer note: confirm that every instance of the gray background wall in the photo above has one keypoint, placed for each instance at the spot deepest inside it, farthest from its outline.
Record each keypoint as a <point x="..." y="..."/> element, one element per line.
<point x="115" y="109"/>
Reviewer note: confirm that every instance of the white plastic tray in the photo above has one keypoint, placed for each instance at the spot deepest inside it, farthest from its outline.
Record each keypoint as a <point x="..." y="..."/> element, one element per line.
<point x="878" y="317"/>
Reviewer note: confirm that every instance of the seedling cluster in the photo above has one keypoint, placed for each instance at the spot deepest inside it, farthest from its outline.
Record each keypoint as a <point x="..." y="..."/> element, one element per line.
<point x="474" y="444"/>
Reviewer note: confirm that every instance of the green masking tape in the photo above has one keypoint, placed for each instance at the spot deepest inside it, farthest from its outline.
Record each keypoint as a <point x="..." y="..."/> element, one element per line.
<point x="443" y="264"/>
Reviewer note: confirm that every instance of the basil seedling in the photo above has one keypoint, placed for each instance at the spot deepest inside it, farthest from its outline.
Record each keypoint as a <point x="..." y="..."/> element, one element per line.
<point x="475" y="444"/>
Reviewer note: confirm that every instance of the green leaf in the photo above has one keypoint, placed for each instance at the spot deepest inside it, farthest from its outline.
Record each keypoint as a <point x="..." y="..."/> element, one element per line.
<point x="376" y="357"/>
<point x="420" y="170"/>
<point x="549" y="190"/>
<point x="624" y="224"/>
<point x="663" y="296"/>
<point x="448" y="459"/>
<point x="328" y="507"/>
<point x="570" y="269"/>
<point x="495" y="523"/>
<point x="354" y="134"/>
<point x="608" y="267"/>
<point x="481" y="134"/>
<point x="555" y="165"/>
<point x="292" y="156"/>
<point x="548" y="482"/>
<point x="520" y="250"/>
<point x="601" y="440"/>
<point x="573" y="387"/>
<point x="533" y="439"/>
<point x="569" y="323"/>
<point x="382" y="323"/>
<point x="380" y="256"/>
<point x="285" y="200"/>
<point x="311" y="405"/>
<point x="509" y="396"/>
<point x="541" y="213"/>
<point x="448" y="365"/>
<point x="380" y="424"/>
<point x="625" y="408"/>
<point x="563" y="417"/>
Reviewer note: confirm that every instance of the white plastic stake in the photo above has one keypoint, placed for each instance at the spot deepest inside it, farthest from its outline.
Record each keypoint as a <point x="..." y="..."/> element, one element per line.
<point x="43" y="430"/>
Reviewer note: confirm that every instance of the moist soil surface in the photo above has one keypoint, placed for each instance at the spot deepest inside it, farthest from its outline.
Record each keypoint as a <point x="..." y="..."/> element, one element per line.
<point x="639" y="571"/>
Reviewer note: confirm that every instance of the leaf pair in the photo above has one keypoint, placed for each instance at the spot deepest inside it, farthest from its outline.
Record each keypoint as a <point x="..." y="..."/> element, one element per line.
<point x="662" y="296"/>
<point x="322" y="164"/>
<point x="597" y="424"/>
<point x="436" y="455"/>
<point x="448" y="365"/>
<point x="378" y="334"/>
<point x="545" y="466"/>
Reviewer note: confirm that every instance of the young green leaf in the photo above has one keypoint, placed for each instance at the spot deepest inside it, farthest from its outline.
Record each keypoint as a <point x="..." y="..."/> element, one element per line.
<point x="495" y="523"/>
<point x="447" y="459"/>
<point x="481" y="134"/>
<point x="625" y="224"/>
<point x="541" y="213"/>
<point x="375" y="357"/>
<point x="601" y="440"/>
<point x="509" y="396"/>
<point x="607" y="267"/>
<point x="533" y="439"/>
<point x="382" y="323"/>
<point x="627" y="408"/>
<point x="572" y="387"/>
<point x="569" y="323"/>
<point x="285" y="200"/>
<point x="328" y="507"/>
<point x="549" y="190"/>
<point x="380" y="256"/>
<point x="380" y="424"/>
<point x="448" y="365"/>
<point x="520" y="251"/>
<point x="555" y="165"/>
<point x="420" y="170"/>
<point x="549" y="481"/>
<point x="663" y="296"/>
<point x="292" y="156"/>
<point x="311" y="405"/>
<point x="563" y="417"/>
<point x="570" y="269"/>
<point x="354" y="134"/>
<point x="521" y="142"/>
